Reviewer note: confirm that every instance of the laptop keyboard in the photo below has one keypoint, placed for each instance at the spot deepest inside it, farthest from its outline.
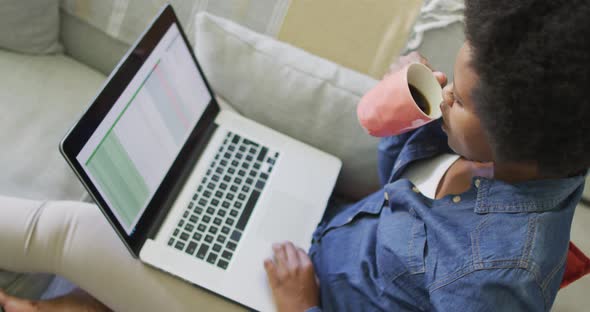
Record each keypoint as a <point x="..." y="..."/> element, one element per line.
<point x="212" y="224"/>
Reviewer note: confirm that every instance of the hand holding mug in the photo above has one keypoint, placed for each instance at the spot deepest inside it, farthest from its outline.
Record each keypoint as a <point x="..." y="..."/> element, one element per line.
<point x="408" y="97"/>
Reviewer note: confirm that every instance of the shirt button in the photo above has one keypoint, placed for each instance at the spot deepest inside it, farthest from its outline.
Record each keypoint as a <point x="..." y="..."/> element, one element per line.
<point x="477" y="183"/>
<point x="415" y="189"/>
<point x="456" y="199"/>
<point x="386" y="196"/>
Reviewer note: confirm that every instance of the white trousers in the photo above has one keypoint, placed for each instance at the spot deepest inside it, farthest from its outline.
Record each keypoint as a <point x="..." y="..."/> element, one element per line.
<point x="74" y="240"/>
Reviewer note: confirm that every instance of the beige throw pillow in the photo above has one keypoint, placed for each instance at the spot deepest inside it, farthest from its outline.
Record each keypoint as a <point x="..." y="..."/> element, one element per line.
<point x="30" y="26"/>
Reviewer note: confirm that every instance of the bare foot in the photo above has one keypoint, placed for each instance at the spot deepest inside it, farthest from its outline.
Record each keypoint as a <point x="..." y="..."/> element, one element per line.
<point x="76" y="301"/>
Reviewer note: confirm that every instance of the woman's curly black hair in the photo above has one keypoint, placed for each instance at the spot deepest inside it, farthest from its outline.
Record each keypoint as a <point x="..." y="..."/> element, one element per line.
<point x="533" y="97"/>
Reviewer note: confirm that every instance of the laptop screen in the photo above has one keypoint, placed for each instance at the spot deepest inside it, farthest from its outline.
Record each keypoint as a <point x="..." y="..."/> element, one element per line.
<point x="133" y="148"/>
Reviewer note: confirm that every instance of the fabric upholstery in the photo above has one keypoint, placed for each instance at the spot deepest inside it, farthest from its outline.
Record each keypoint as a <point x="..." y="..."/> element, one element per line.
<point x="40" y="99"/>
<point x="30" y="26"/>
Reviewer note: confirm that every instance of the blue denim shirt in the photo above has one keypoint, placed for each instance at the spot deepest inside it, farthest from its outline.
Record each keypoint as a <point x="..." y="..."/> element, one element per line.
<point x="496" y="247"/>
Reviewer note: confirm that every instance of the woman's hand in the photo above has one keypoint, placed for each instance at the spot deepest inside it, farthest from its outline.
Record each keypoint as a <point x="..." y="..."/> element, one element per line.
<point x="292" y="278"/>
<point x="415" y="57"/>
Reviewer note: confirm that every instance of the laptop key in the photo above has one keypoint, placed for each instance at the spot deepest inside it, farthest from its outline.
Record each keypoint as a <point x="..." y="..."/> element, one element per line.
<point x="236" y="139"/>
<point x="212" y="230"/>
<point x="206" y="219"/>
<point x="262" y="154"/>
<point x="239" y="155"/>
<point x="197" y="236"/>
<point x="226" y="255"/>
<point x="221" y="212"/>
<point x="210" y="210"/>
<point x="235" y="235"/>
<point x="202" y="251"/>
<point x="171" y="241"/>
<point x="264" y="176"/>
<point x="231" y="246"/>
<point x="215" y="178"/>
<point x="249" y="181"/>
<point x="223" y="162"/>
<point x="260" y="184"/>
<point x="176" y="232"/>
<point x="192" y="246"/>
<point x="211" y="258"/>
<point x="233" y="213"/>
<point x="229" y="221"/>
<point x="208" y="238"/>
<point x="179" y="245"/>
<point x="217" y="221"/>
<point x="242" y="196"/>
<point x="219" y="194"/>
<point x="221" y="239"/>
<point x="222" y="264"/>
<point x="248" y="210"/>
<point x="225" y="230"/>
<point x="238" y="204"/>
<point x="231" y="170"/>
<point x="194" y="218"/>
<point x="202" y="227"/>
<point x="229" y="196"/>
<point x="233" y="188"/>
<point x="226" y="178"/>
<point x="189" y="227"/>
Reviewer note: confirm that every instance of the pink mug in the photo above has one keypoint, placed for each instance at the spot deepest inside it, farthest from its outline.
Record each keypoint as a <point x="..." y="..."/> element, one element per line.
<point x="390" y="109"/>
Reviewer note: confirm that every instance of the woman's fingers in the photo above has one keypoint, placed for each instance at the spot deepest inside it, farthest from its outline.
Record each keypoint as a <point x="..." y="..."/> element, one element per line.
<point x="292" y="257"/>
<point x="271" y="272"/>
<point x="441" y="77"/>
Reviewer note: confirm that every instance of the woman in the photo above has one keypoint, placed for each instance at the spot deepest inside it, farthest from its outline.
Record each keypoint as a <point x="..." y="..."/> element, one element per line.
<point x="476" y="208"/>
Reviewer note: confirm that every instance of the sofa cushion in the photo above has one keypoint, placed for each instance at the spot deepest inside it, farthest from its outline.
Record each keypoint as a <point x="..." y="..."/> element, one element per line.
<point x="299" y="94"/>
<point x="30" y="26"/>
<point x="40" y="97"/>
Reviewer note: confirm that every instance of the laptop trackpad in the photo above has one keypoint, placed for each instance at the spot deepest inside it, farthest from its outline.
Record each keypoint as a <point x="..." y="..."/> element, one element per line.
<point x="283" y="219"/>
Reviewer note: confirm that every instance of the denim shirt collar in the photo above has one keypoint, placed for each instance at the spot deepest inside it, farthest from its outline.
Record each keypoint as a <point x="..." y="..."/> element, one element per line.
<point x="530" y="196"/>
<point x="491" y="195"/>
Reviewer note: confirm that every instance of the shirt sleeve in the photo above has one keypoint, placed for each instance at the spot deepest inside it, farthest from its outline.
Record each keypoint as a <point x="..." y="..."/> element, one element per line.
<point x="490" y="290"/>
<point x="390" y="148"/>
<point x="314" y="309"/>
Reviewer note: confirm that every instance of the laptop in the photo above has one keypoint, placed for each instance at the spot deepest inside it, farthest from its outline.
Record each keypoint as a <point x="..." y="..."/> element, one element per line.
<point x="191" y="189"/>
